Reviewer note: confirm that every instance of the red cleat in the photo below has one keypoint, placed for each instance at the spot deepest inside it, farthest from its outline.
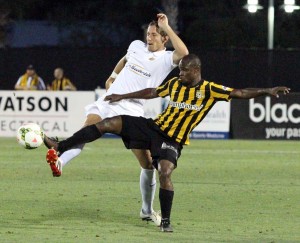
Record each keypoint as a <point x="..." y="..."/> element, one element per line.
<point x="54" y="162"/>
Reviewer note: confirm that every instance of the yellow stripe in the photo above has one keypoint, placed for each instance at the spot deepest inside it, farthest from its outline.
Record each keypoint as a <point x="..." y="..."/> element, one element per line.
<point x="192" y="96"/>
<point x="163" y="90"/>
<point x="162" y="116"/>
<point x="195" y="115"/>
<point x="204" y="109"/>
<point x="176" y="110"/>
<point x="166" y="113"/>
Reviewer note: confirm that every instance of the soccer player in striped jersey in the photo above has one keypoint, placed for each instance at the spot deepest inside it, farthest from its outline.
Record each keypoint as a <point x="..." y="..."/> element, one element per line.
<point x="191" y="98"/>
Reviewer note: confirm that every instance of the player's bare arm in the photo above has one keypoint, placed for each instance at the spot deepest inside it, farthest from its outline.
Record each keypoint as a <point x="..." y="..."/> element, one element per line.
<point x="180" y="48"/>
<point x="118" y="68"/>
<point x="249" y="93"/>
<point x="149" y="93"/>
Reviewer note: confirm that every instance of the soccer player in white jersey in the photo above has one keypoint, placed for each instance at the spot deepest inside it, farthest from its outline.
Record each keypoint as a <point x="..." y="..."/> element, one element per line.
<point x="145" y="65"/>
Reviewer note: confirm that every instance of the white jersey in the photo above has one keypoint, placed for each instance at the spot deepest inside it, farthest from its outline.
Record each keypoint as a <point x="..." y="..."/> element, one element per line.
<point x="143" y="69"/>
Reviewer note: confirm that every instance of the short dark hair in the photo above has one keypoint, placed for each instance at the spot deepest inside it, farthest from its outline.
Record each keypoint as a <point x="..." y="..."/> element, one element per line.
<point x="30" y="67"/>
<point x="192" y="60"/>
<point x="159" y="30"/>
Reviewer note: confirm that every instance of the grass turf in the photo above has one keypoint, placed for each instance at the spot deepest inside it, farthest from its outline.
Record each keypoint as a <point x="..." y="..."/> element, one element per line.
<point x="225" y="191"/>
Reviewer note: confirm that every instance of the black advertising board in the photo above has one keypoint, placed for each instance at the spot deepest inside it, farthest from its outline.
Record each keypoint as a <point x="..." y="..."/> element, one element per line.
<point x="266" y="118"/>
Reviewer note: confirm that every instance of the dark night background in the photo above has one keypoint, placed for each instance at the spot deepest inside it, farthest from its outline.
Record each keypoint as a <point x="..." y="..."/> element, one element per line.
<point x="93" y="35"/>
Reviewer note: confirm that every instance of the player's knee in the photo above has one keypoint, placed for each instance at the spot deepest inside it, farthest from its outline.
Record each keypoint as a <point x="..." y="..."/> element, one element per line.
<point x="146" y="164"/>
<point x="164" y="174"/>
<point x="105" y="125"/>
<point x="144" y="158"/>
<point x="111" y="125"/>
<point x="92" y="119"/>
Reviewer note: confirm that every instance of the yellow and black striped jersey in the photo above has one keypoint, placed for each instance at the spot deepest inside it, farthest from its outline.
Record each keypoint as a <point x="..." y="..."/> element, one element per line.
<point x="188" y="106"/>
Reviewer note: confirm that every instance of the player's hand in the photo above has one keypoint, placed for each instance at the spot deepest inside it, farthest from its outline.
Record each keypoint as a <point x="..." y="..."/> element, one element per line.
<point x="113" y="98"/>
<point x="162" y="21"/>
<point x="274" y="91"/>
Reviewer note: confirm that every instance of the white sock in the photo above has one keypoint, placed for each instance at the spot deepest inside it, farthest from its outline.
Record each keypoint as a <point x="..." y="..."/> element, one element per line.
<point x="70" y="154"/>
<point x="147" y="186"/>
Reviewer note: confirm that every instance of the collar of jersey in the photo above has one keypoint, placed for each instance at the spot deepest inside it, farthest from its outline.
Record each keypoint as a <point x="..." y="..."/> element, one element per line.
<point x="195" y="86"/>
<point x="156" y="53"/>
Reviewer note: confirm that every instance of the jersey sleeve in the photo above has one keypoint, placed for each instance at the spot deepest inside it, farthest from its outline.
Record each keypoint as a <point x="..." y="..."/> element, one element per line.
<point x="220" y="92"/>
<point x="169" y="60"/>
<point x="164" y="90"/>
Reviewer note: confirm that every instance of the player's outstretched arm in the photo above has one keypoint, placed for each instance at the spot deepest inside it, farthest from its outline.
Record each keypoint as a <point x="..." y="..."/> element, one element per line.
<point x="250" y="93"/>
<point x="149" y="93"/>
<point x="180" y="48"/>
<point x="118" y="68"/>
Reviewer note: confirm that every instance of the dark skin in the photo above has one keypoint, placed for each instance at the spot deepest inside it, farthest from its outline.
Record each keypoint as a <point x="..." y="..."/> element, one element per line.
<point x="190" y="76"/>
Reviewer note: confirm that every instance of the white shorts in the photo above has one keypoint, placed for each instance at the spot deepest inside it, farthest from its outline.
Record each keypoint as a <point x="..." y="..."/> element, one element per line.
<point x="105" y="110"/>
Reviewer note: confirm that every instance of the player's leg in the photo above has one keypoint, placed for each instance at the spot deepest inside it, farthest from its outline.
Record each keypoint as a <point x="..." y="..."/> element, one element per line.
<point x="73" y="152"/>
<point x="87" y="134"/>
<point x="57" y="163"/>
<point x="147" y="185"/>
<point x="166" y="193"/>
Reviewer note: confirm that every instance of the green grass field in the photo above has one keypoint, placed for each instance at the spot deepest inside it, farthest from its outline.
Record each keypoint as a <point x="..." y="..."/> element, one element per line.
<point x="225" y="191"/>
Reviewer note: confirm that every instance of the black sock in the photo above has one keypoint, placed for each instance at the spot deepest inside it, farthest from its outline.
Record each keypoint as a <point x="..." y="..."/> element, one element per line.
<point x="166" y="199"/>
<point x="85" y="135"/>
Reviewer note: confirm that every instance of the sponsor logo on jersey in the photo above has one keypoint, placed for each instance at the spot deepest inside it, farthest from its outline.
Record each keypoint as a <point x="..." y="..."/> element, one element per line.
<point x="183" y="105"/>
<point x="138" y="70"/>
<point x="199" y="94"/>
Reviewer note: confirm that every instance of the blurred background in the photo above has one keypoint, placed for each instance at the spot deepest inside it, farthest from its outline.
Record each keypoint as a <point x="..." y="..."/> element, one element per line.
<point x="87" y="38"/>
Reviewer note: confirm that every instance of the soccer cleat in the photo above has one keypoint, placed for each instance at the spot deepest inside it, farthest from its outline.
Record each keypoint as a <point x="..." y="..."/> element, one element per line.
<point x="165" y="226"/>
<point x="50" y="142"/>
<point x="154" y="217"/>
<point x="54" y="162"/>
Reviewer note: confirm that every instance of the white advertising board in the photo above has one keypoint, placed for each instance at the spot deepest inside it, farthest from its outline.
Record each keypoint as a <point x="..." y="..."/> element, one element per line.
<point x="58" y="113"/>
<point x="216" y="124"/>
<point x="62" y="113"/>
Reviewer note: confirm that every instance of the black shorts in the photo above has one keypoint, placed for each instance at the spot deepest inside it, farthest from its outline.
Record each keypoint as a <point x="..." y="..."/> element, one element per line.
<point x="142" y="133"/>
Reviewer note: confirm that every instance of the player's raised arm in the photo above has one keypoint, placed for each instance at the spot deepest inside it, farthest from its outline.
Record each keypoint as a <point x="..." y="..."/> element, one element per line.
<point x="249" y="93"/>
<point x="120" y="65"/>
<point x="149" y="93"/>
<point x="180" y="48"/>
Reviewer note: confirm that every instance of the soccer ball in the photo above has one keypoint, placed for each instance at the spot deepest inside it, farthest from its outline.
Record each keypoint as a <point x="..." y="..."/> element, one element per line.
<point x="30" y="136"/>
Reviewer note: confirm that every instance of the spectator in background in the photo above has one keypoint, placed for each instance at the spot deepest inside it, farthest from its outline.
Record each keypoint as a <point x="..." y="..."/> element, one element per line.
<point x="61" y="82"/>
<point x="30" y="81"/>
